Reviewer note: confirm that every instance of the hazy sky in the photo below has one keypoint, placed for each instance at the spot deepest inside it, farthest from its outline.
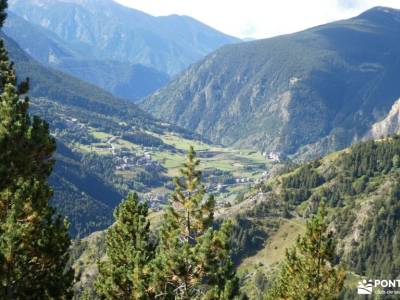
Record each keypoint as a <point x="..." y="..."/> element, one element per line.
<point x="259" y="18"/>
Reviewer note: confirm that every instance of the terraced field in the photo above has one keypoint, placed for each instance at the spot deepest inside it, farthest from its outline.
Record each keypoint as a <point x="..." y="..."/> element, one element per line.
<point x="229" y="171"/>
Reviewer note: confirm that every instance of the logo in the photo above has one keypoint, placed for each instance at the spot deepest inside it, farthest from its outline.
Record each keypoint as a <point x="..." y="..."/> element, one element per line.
<point x="379" y="287"/>
<point x="365" y="287"/>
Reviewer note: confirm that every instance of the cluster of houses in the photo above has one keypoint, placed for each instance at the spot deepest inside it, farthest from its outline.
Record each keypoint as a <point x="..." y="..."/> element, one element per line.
<point x="74" y="125"/>
<point x="125" y="161"/>
<point x="223" y="187"/>
<point x="272" y="156"/>
<point x="243" y="180"/>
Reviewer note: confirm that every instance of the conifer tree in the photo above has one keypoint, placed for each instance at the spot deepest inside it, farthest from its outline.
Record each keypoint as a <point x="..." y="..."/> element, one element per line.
<point x="34" y="241"/>
<point x="125" y="272"/>
<point x="309" y="270"/>
<point x="192" y="259"/>
<point x="3" y="14"/>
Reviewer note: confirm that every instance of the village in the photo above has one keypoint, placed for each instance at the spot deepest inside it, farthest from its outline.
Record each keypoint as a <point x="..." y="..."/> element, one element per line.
<point x="127" y="158"/>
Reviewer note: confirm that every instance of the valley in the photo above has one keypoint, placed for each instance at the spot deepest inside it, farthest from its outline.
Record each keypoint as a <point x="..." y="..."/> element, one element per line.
<point x="122" y="156"/>
<point x="292" y="134"/>
<point x="272" y="214"/>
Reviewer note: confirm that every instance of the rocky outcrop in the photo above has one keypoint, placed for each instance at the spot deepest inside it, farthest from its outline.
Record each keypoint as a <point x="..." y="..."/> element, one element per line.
<point x="389" y="125"/>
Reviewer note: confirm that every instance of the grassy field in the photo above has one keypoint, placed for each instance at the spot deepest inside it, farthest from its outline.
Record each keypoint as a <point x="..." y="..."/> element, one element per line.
<point x="240" y="163"/>
<point x="274" y="250"/>
<point x="182" y="143"/>
<point x="225" y="159"/>
<point x="100" y="135"/>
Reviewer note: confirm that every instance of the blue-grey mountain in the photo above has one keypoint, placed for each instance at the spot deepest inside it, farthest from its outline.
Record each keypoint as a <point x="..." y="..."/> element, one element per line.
<point x="123" y="79"/>
<point x="105" y="30"/>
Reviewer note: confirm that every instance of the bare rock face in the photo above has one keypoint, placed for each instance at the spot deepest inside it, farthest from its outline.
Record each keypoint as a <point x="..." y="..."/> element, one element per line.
<point x="389" y="125"/>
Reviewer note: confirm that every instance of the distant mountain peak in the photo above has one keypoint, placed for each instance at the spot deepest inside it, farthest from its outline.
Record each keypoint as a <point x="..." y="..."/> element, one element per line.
<point x="301" y="94"/>
<point x="382" y="11"/>
<point x="107" y="30"/>
<point x="385" y="9"/>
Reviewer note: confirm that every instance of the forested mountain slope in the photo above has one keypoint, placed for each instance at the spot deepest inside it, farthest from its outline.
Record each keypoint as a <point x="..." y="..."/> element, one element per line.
<point x="108" y="147"/>
<point x="305" y="93"/>
<point x="86" y="188"/>
<point x="361" y="192"/>
<point x="123" y="79"/>
<point x="360" y="188"/>
<point x="106" y="30"/>
<point x="65" y="89"/>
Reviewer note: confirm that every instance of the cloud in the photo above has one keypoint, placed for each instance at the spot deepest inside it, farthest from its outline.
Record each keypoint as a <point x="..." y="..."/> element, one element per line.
<point x="346" y="4"/>
<point x="260" y="18"/>
<point x="249" y="30"/>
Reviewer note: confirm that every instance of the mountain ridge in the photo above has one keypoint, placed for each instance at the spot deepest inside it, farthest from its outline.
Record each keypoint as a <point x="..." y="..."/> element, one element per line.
<point x="331" y="82"/>
<point x="125" y="80"/>
<point x="168" y="43"/>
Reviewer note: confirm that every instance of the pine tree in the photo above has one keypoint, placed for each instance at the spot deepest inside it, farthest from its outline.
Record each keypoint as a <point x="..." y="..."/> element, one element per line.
<point x="3" y="14"/>
<point x="192" y="259"/>
<point x="125" y="272"/>
<point x="308" y="271"/>
<point x="34" y="241"/>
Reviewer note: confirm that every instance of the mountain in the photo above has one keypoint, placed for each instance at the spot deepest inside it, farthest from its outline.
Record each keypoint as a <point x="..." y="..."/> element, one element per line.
<point x="50" y="92"/>
<point x="38" y="42"/>
<point x="302" y="94"/>
<point x="126" y="80"/>
<point x="85" y="184"/>
<point x="65" y="89"/>
<point x="122" y="80"/>
<point x="360" y="189"/>
<point x="105" y="30"/>
<point x="108" y="147"/>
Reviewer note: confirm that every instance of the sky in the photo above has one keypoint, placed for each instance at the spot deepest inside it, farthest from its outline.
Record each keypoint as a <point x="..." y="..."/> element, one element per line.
<point x="259" y="18"/>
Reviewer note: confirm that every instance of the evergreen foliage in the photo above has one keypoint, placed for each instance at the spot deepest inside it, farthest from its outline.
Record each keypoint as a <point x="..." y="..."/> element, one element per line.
<point x="125" y="273"/>
<point x="308" y="271"/>
<point x="192" y="259"/>
<point x="34" y="241"/>
<point x="376" y="253"/>
<point x="144" y="139"/>
<point x="372" y="157"/>
<point x="246" y="238"/>
<point x="305" y="178"/>
<point x="297" y="187"/>
<point x="3" y="14"/>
